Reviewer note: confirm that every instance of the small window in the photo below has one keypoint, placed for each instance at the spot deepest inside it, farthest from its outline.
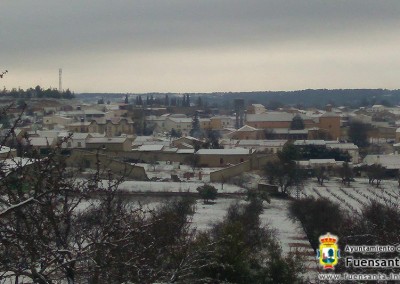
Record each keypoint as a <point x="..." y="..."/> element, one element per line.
<point x="69" y="144"/>
<point x="80" y="144"/>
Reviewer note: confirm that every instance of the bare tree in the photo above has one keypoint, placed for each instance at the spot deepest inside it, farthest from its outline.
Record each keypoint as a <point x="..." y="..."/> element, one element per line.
<point x="286" y="175"/>
<point x="57" y="227"/>
<point x="193" y="161"/>
<point x="375" y="173"/>
<point x="153" y="161"/>
<point x="321" y="174"/>
<point x="346" y="173"/>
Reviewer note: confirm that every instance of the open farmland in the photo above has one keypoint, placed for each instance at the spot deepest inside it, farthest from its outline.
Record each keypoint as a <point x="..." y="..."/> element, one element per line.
<point x="357" y="195"/>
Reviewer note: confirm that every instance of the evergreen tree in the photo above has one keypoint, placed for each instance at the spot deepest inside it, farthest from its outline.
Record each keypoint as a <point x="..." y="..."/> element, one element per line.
<point x="297" y="123"/>
<point x="358" y="133"/>
<point x="184" y="100"/>
<point x="195" y="131"/>
<point x="187" y="100"/>
<point x="67" y="94"/>
<point x="207" y="192"/>
<point x="199" y="102"/>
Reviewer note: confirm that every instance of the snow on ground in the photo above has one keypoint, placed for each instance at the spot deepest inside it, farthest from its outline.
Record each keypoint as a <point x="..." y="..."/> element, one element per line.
<point x="156" y="186"/>
<point x="355" y="196"/>
<point x="208" y="214"/>
<point x="289" y="233"/>
<point x="164" y="171"/>
<point x="275" y="215"/>
<point x="351" y="198"/>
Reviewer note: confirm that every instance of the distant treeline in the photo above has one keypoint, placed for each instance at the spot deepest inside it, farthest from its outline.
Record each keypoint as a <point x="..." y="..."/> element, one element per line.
<point x="37" y="92"/>
<point x="353" y="98"/>
<point x="320" y="98"/>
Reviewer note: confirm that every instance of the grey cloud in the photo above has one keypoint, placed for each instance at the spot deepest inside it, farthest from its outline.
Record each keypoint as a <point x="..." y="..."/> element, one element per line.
<point x="39" y="36"/>
<point x="65" y="26"/>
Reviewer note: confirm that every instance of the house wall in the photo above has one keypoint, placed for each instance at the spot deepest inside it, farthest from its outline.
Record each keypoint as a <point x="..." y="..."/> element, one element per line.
<point x="381" y="134"/>
<point x="74" y="143"/>
<point x="216" y="123"/>
<point x="255" y="109"/>
<point x="111" y="129"/>
<point x="253" y="164"/>
<point x="123" y="146"/>
<point x="184" y="127"/>
<point x="88" y="159"/>
<point x="205" y="124"/>
<point x="222" y="160"/>
<point x="354" y="154"/>
<point x="263" y="148"/>
<point x="79" y="128"/>
<point x="50" y="121"/>
<point x="123" y="127"/>
<point x="248" y="135"/>
<point x="225" y="174"/>
<point x="308" y="123"/>
<point x="332" y="125"/>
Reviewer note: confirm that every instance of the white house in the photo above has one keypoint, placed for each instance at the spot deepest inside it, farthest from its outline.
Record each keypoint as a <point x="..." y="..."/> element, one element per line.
<point x="77" y="140"/>
<point x="270" y="146"/>
<point x="183" y="124"/>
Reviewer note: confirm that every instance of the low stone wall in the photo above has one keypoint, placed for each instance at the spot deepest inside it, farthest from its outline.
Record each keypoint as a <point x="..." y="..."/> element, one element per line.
<point x="85" y="159"/>
<point x="149" y="156"/>
<point x="256" y="163"/>
<point x="225" y="174"/>
<point x="269" y="188"/>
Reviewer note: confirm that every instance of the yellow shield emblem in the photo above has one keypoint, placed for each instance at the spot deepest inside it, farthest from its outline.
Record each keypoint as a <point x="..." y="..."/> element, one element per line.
<point x="328" y="252"/>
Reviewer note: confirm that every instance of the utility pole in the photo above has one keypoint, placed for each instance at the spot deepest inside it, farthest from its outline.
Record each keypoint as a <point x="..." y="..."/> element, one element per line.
<point x="60" y="80"/>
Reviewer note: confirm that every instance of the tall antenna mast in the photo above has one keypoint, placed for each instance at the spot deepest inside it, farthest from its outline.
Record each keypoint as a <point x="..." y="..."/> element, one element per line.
<point x="60" y="80"/>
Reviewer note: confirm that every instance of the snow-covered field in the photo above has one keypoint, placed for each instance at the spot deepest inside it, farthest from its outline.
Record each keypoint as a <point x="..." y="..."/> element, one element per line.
<point x="208" y="214"/>
<point x="290" y="234"/>
<point x="157" y="186"/>
<point x="275" y="215"/>
<point x="358" y="194"/>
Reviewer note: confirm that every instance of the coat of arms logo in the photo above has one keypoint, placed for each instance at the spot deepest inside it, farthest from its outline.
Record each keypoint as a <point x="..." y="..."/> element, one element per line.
<point x="328" y="252"/>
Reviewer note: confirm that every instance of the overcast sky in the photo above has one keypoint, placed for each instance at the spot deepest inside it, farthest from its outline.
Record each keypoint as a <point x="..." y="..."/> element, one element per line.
<point x="200" y="45"/>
